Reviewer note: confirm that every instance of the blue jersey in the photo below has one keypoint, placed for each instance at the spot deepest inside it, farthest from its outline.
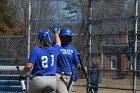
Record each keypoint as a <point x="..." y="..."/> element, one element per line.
<point x="67" y="58"/>
<point x="44" y="60"/>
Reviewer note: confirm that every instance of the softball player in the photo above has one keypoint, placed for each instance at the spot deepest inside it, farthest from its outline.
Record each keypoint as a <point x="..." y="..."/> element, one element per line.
<point x="42" y="61"/>
<point x="66" y="59"/>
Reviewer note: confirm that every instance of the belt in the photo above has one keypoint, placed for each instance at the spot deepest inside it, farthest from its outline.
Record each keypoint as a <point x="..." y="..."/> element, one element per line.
<point x="66" y="73"/>
<point x="46" y="75"/>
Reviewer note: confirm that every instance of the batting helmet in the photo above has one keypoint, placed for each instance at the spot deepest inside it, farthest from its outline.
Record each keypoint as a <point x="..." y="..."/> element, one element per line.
<point x="45" y="35"/>
<point x="66" y="31"/>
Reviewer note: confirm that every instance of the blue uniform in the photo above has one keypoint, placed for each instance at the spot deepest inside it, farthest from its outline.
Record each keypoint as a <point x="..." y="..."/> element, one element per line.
<point x="67" y="58"/>
<point x="44" y="69"/>
<point x="44" y="60"/>
<point x="65" y="62"/>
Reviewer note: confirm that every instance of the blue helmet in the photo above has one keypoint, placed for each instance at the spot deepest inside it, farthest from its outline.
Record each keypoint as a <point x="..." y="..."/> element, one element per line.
<point x="66" y="31"/>
<point x="45" y="35"/>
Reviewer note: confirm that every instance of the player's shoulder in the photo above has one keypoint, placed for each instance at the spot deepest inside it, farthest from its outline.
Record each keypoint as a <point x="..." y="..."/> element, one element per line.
<point x="56" y="46"/>
<point x="36" y="49"/>
<point x="72" y="47"/>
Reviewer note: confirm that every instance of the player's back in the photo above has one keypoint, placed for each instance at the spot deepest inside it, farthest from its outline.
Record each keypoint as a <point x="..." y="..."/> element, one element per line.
<point x="44" y="60"/>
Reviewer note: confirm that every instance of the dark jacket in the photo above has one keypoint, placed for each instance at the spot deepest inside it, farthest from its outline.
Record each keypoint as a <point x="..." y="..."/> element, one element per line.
<point x="95" y="75"/>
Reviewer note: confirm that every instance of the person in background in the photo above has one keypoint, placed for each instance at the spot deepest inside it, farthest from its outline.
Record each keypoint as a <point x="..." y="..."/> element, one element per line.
<point x="66" y="60"/>
<point x="43" y="61"/>
<point x="95" y="76"/>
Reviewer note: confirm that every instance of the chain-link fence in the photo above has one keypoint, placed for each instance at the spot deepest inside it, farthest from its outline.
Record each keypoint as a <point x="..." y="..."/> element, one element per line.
<point x="104" y="31"/>
<point x="111" y="23"/>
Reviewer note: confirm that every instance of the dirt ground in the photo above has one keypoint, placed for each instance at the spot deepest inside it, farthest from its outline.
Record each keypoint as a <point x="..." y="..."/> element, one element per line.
<point x="109" y="86"/>
<point x="103" y="90"/>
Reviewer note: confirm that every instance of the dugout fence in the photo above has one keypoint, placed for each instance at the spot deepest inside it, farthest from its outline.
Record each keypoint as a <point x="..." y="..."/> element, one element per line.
<point x="102" y="29"/>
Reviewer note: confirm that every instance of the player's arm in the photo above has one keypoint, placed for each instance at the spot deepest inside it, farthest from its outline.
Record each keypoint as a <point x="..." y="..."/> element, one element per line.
<point x="28" y="67"/>
<point x="76" y="59"/>
<point x="57" y="39"/>
<point x="56" y="31"/>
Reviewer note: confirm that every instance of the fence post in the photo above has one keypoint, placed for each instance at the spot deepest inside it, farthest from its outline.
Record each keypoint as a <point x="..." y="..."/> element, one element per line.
<point x="135" y="50"/>
<point x="29" y="29"/>
<point x="90" y="30"/>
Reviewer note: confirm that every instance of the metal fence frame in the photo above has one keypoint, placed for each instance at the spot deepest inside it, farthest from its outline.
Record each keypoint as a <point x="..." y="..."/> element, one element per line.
<point x="89" y="25"/>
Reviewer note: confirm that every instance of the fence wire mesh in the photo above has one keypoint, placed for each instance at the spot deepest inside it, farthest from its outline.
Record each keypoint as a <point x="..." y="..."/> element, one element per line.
<point x="102" y="29"/>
